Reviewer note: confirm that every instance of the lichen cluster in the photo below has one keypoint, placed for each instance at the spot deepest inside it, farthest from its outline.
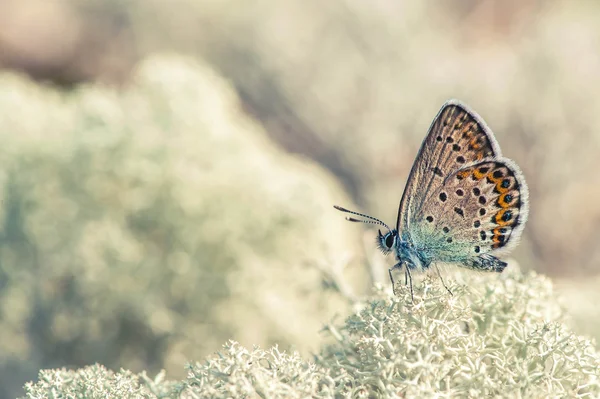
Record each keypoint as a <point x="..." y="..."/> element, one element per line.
<point x="495" y="337"/>
<point x="134" y="221"/>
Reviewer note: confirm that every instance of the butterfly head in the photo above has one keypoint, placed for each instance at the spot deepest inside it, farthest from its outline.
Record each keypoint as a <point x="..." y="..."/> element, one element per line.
<point x="386" y="242"/>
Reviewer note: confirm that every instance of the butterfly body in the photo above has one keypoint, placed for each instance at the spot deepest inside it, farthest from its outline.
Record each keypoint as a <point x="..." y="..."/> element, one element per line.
<point x="415" y="257"/>
<point x="464" y="203"/>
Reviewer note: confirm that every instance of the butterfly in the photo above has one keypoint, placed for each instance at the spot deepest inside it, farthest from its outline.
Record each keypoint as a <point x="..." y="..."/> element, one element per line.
<point x="463" y="204"/>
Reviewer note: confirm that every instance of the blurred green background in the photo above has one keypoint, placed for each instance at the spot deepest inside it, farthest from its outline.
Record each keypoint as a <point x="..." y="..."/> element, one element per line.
<point x="168" y="168"/>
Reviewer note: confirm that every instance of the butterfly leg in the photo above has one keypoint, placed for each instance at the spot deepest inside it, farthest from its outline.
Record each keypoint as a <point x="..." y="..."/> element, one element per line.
<point x="437" y="269"/>
<point x="408" y="276"/>
<point x="391" y="270"/>
<point x="407" y="279"/>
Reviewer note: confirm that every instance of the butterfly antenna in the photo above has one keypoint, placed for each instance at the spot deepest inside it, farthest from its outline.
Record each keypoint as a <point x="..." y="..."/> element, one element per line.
<point x="371" y="220"/>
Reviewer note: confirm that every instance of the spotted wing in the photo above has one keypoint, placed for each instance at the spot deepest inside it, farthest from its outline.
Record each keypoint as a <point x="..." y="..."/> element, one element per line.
<point x="457" y="137"/>
<point x="476" y="213"/>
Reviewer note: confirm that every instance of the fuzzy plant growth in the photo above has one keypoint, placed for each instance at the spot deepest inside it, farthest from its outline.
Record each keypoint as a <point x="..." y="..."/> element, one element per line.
<point x="143" y="227"/>
<point x="495" y="337"/>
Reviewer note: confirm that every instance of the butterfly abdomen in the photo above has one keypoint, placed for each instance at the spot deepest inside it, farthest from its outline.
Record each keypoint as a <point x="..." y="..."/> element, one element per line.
<point x="486" y="263"/>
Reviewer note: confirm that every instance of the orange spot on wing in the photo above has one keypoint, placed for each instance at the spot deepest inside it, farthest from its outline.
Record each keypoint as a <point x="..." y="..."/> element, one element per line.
<point x="464" y="174"/>
<point x="501" y="189"/>
<point x="497" y="233"/>
<point x="476" y="143"/>
<point x="493" y="179"/>
<point x="502" y="201"/>
<point x="498" y="218"/>
<point x="478" y="175"/>
<point x="469" y="132"/>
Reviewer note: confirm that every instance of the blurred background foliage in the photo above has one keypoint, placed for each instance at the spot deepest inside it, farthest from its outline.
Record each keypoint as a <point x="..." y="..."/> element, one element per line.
<point x="154" y="206"/>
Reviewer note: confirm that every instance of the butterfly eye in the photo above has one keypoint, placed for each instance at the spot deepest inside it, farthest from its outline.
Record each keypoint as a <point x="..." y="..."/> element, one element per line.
<point x="386" y="241"/>
<point x="389" y="240"/>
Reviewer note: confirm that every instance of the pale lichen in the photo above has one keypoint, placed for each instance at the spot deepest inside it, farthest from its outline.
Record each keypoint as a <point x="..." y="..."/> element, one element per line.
<point x="496" y="336"/>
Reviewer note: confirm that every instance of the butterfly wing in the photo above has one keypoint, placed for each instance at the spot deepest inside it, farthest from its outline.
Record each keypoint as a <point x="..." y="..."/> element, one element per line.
<point x="457" y="136"/>
<point x="478" y="212"/>
<point x="463" y="202"/>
